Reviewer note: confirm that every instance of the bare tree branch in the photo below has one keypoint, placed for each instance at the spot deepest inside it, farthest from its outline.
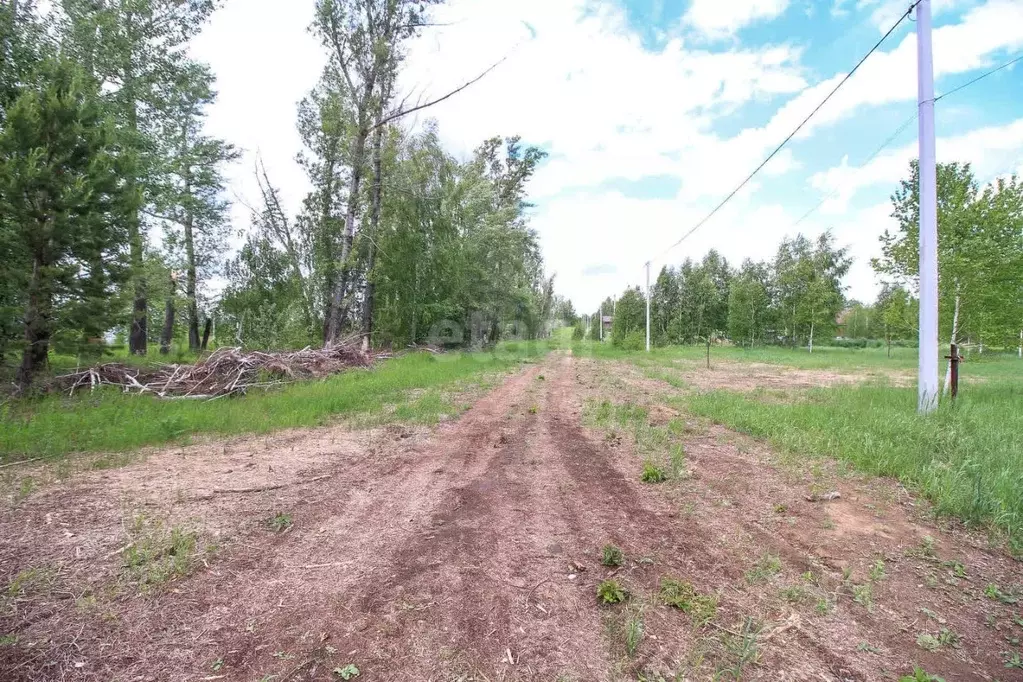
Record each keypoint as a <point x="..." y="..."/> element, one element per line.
<point x="400" y="112"/>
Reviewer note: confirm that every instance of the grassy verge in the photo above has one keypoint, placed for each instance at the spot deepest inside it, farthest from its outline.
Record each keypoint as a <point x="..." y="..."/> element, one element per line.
<point x="109" y="421"/>
<point x="967" y="458"/>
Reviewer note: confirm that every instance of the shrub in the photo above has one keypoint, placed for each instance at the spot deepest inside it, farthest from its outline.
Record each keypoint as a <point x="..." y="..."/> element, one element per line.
<point x="611" y="592"/>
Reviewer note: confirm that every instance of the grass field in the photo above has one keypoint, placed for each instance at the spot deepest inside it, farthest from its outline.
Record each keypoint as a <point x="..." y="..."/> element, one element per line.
<point x="409" y="388"/>
<point x="967" y="458"/>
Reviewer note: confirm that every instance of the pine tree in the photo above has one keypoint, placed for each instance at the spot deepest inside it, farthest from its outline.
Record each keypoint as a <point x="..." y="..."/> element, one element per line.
<point x="64" y="206"/>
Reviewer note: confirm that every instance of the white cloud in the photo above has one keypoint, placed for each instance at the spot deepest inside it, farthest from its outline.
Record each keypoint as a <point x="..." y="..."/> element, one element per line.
<point x="718" y="18"/>
<point x="993" y="150"/>
<point x="884" y="13"/>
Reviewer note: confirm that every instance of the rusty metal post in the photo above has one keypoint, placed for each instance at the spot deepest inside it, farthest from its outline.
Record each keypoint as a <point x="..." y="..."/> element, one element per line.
<point x="954" y="358"/>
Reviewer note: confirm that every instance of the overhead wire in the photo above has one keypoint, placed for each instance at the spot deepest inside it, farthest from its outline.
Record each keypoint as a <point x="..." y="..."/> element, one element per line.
<point x="791" y="135"/>
<point x="884" y="145"/>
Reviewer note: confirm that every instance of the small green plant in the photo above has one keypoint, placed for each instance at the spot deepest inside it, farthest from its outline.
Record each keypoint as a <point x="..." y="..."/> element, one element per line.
<point x="992" y="591"/>
<point x="1013" y="660"/>
<point x="279" y="522"/>
<point x="633" y="635"/>
<point x="611" y="592"/>
<point x="766" y="568"/>
<point x="824" y="606"/>
<point x="678" y="462"/>
<point x="925" y="550"/>
<point x="877" y="571"/>
<point x="741" y="650"/>
<point x="348" y="672"/>
<point x="795" y="594"/>
<point x="927" y="641"/>
<point x="652" y="473"/>
<point x="682" y="595"/>
<point x="155" y="556"/>
<point x="612" y="556"/>
<point x="25" y="487"/>
<point x="949" y="637"/>
<point x="540" y="377"/>
<point x="533" y="409"/>
<point x="957" y="568"/>
<point x="868" y="647"/>
<point x="218" y="665"/>
<point x="780" y="508"/>
<point x="920" y="675"/>
<point x="864" y="595"/>
<point x="8" y="640"/>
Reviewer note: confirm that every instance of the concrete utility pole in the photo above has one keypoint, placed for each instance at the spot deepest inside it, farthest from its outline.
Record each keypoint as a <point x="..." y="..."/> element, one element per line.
<point x="927" y="370"/>
<point x="648" y="306"/>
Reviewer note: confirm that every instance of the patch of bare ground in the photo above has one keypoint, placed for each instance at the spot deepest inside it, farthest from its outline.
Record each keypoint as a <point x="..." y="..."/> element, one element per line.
<point x="862" y="587"/>
<point x="472" y="551"/>
<point x="753" y="376"/>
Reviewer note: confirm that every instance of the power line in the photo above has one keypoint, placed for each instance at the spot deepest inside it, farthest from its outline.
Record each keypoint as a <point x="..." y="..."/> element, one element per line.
<point x="902" y="127"/>
<point x="870" y="158"/>
<point x="791" y="135"/>
<point x="978" y="78"/>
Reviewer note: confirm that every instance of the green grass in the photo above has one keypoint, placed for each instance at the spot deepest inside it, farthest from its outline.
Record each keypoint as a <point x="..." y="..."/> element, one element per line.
<point x="408" y="388"/>
<point x="967" y="458"/>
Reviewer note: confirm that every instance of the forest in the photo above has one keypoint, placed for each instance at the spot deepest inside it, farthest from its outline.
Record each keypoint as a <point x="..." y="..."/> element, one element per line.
<point x="114" y="210"/>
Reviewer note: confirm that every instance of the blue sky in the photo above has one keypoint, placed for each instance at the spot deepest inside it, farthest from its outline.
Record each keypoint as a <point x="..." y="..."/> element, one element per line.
<point x="653" y="110"/>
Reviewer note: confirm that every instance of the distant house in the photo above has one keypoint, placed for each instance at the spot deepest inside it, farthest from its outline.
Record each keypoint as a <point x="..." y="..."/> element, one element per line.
<point x="606" y="320"/>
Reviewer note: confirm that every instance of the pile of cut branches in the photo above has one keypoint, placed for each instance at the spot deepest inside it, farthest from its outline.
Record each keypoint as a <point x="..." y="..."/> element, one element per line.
<point x="226" y="371"/>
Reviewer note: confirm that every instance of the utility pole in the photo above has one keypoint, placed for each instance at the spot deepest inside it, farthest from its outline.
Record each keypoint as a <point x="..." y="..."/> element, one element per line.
<point x="927" y="370"/>
<point x="648" y="306"/>
<point x="601" y="322"/>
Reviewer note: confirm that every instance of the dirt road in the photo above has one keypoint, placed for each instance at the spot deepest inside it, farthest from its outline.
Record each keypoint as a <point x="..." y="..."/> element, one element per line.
<point x="473" y="552"/>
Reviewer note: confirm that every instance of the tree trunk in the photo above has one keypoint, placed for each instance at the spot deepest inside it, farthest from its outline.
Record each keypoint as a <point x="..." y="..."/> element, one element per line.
<point x="190" y="267"/>
<point x="168" y="320"/>
<point x="190" y="286"/>
<point x="955" y="336"/>
<point x="811" y="336"/>
<point x="206" y="333"/>
<point x="37" y="326"/>
<point x="138" y="336"/>
<point x="335" y="318"/>
<point x="374" y="222"/>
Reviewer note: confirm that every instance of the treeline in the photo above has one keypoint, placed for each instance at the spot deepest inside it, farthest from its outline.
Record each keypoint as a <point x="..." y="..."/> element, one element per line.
<point x="114" y="220"/>
<point x="798" y="296"/>
<point x="792" y="299"/>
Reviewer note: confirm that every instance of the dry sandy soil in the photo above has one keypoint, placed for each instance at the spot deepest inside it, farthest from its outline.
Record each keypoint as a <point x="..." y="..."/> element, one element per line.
<point x="473" y="552"/>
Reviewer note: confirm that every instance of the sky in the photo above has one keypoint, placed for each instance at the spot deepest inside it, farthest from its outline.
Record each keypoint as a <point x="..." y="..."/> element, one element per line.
<point x="652" y="111"/>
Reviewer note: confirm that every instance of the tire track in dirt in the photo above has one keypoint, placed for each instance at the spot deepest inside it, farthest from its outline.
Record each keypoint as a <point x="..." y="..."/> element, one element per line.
<point x="740" y="494"/>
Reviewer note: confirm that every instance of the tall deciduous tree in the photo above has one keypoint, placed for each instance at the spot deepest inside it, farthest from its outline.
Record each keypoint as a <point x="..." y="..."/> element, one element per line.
<point x="361" y="37"/>
<point x="63" y="205"/>
<point x="979" y="251"/>
<point x="191" y="201"/>
<point x="748" y="303"/>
